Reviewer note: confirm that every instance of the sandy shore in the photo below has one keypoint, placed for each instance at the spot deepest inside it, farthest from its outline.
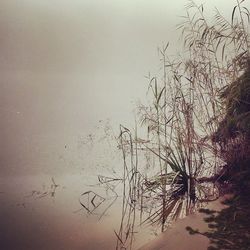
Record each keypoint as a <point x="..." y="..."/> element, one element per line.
<point x="178" y="238"/>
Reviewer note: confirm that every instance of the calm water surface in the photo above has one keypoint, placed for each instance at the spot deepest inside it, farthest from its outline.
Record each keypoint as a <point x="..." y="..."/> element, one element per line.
<point x="37" y="215"/>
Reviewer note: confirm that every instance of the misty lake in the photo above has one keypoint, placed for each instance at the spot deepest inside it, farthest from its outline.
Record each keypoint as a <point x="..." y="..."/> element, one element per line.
<point x="37" y="215"/>
<point x="72" y="177"/>
<point x="68" y="211"/>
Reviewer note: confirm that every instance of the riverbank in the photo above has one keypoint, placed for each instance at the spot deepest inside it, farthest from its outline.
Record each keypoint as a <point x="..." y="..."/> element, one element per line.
<point x="182" y="235"/>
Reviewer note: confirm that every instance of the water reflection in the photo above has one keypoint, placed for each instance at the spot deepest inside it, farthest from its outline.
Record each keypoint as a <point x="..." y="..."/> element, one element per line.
<point x="45" y="218"/>
<point x="70" y="211"/>
<point x="41" y="212"/>
<point x="51" y="191"/>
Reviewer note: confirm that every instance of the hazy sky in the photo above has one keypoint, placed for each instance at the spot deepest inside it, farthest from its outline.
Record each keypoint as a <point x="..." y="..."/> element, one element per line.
<point x="65" y="64"/>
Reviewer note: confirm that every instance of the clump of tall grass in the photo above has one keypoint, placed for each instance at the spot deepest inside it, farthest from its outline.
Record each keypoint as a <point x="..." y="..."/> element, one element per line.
<point x="184" y="113"/>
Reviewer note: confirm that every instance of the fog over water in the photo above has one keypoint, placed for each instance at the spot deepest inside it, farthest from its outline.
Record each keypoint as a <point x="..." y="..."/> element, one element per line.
<point x="71" y="70"/>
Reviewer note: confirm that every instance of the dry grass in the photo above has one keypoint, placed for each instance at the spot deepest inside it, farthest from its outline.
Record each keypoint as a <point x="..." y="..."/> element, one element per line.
<point x="184" y="111"/>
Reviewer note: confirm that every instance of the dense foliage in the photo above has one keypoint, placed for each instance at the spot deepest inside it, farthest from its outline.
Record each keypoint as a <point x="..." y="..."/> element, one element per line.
<point x="233" y="133"/>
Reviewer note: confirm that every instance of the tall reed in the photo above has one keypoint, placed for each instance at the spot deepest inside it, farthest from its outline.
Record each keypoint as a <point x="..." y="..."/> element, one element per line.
<point x="184" y="111"/>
